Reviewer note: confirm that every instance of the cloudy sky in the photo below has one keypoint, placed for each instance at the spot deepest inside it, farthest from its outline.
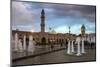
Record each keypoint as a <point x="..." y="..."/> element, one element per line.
<point x="26" y="17"/>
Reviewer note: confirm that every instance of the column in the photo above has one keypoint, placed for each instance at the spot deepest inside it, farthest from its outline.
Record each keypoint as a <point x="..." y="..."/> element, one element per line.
<point x="12" y="43"/>
<point x="24" y="42"/>
<point x="16" y="42"/>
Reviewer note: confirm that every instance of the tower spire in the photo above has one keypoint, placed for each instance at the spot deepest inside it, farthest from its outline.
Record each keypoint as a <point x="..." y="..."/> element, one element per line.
<point x="42" y="20"/>
<point x="42" y="12"/>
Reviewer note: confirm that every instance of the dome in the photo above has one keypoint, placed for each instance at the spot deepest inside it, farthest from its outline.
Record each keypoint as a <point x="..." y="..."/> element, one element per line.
<point x="53" y="32"/>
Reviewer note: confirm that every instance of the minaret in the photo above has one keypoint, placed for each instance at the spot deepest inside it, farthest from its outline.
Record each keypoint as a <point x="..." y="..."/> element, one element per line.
<point x="42" y="21"/>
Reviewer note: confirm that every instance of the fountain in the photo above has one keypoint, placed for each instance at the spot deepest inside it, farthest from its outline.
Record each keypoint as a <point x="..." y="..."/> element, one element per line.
<point x="78" y="46"/>
<point x="20" y="47"/>
<point x="30" y="47"/>
<point x="83" y="49"/>
<point x="72" y="47"/>
<point x="69" y="47"/>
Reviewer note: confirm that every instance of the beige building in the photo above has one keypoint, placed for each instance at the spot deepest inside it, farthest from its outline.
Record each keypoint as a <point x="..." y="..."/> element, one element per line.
<point x="46" y="37"/>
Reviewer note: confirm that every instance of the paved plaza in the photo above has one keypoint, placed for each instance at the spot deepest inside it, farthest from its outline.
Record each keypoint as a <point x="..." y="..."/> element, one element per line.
<point x="38" y="51"/>
<point x="59" y="56"/>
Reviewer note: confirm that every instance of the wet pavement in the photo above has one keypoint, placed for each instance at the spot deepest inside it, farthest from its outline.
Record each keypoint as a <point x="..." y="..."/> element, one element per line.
<point x="58" y="57"/>
<point x="38" y="50"/>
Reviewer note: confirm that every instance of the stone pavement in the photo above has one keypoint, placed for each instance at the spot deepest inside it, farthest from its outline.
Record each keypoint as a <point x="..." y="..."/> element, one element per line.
<point x="60" y="56"/>
<point x="38" y="51"/>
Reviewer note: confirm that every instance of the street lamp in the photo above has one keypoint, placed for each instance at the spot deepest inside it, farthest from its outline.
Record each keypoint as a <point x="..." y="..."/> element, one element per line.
<point x="69" y="32"/>
<point x="69" y="29"/>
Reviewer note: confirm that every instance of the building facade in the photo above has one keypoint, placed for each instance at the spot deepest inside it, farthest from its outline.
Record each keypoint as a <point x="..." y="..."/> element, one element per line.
<point x="47" y="37"/>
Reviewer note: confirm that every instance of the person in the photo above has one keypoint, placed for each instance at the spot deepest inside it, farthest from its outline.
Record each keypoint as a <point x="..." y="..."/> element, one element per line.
<point x="34" y="43"/>
<point x="27" y="44"/>
<point x="66" y="44"/>
<point x="61" y="44"/>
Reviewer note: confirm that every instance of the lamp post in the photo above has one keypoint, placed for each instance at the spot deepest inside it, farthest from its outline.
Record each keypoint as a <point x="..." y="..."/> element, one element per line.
<point x="69" y="29"/>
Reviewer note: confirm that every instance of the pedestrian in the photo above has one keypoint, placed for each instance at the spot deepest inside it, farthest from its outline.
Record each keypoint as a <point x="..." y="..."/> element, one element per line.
<point x="61" y="44"/>
<point x="34" y="44"/>
<point x="66" y="44"/>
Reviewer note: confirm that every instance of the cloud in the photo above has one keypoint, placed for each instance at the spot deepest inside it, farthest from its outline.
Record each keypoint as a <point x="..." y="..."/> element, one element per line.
<point x="62" y="10"/>
<point x="86" y="11"/>
<point x="20" y="14"/>
<point x="26" y="16"/>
